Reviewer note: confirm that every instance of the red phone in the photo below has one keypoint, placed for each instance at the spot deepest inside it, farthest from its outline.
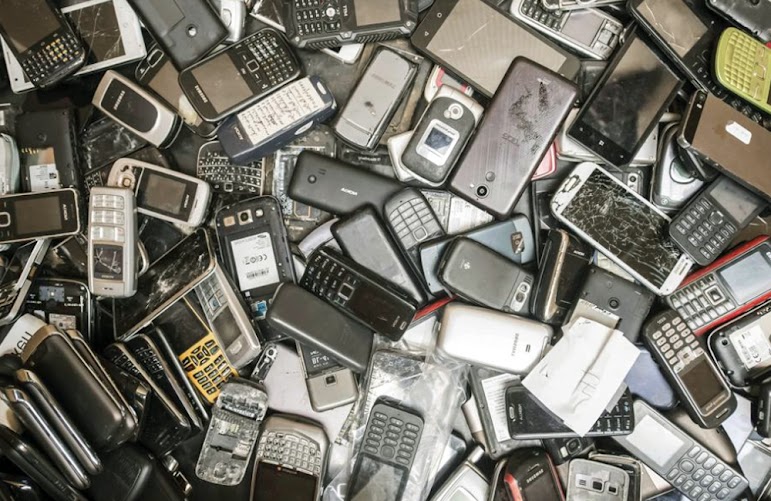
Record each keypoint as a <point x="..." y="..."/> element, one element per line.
<point x="530" y="476"/>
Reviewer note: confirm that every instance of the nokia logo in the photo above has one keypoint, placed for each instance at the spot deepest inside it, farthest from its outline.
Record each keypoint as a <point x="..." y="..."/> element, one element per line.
<point x="201" y="94"/>
<point x="65" y="212"/>
<point x="118" y="101"/>
<point x="350" y="192"/>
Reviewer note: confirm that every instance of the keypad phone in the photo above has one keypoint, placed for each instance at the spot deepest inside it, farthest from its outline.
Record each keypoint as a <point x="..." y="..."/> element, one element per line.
<point x="112" y="242"/>
<point x="359" y="293"/>
<point x="743" y="66"/>
<point x="713" y="219"/>
<point x="224" y="176"/>
<point x="388" y="450"/>
<point x="412" y="221"/>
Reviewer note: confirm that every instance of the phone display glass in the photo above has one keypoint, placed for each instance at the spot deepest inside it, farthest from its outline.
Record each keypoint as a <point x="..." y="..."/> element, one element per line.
<point x="274" y="482"/>
<point x="628" y="228"/>
<point x="702" y="383"/>
<point x="749" y="277"/>
<point x="675" y="22"/>
<point x="27" y="22"/>
<point x="38" y="215"/>
<point x="655" y="442"/>
<point x="100" y="31"/>
<point x="18" y="264"/>
<point x="378" y="480"/>
<point x="222" y="83"/>
<point x="163" y="193"/>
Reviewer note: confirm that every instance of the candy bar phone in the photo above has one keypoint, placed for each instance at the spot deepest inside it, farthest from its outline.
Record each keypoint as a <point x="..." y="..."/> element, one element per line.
<point x="64" y="303"/>
<point x="594" y="481"/>
<point x="528" y="475"/>
<point x="329" y="384"/>
<point x="47" y="214"/>
<point x="48" y="150"/>
<point x="412" y="221"/>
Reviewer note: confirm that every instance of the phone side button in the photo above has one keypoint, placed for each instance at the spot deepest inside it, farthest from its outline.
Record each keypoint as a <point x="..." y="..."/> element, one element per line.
<point x="5" y="220"/>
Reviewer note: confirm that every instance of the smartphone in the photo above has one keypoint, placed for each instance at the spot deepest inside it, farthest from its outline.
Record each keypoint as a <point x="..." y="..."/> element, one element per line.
<point x="611" y="123"/>
<point x="48" y="214"/>
<point x="240" y="75"/>
<point x="18" y="277"/>
<point x="529" y="475"/>
<point x="595" y="481"/>
<point x="63" y="303"/>
<point x="375" y="99"/>
<point x="329" y="384"/>
<point x="635" y="237"/>
<point x="291" y="460"/>
<point x="42" y="40"/>
<point x="163" y="193"/>
<point x="112" y="242"/>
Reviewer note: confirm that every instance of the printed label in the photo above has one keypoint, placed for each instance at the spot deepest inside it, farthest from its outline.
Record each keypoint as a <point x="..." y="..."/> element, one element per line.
<point x="752" y="346"/>
<point x="495" y="393"/>
<point x="44" y="177"/>
<point x="255" y="261"/>
<point x="286" y="107"/>
<point x="739" y="132"/>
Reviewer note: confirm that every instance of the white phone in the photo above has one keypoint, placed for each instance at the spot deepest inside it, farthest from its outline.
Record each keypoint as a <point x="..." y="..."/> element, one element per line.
<point x="111" y="34"/>
<point x="163" y="193"/>
<point x="492" y="339"/>
<point x="621" y="224"/>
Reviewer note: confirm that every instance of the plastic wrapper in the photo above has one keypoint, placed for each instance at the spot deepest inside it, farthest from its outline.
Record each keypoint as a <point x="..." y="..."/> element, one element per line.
<point x="431" y="388"/>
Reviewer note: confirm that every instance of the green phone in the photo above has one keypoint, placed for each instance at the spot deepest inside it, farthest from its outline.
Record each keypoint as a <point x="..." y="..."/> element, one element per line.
<point x="743" y="66"/>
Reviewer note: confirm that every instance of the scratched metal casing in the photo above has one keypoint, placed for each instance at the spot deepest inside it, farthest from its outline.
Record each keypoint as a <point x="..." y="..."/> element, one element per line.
<point x="519" y="127"/>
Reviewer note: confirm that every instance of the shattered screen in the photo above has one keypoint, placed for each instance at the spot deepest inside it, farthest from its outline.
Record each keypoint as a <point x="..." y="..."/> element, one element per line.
<point x="675" y="22"/>
<point x="98" y="27"/>
<point x="618" y="221"/>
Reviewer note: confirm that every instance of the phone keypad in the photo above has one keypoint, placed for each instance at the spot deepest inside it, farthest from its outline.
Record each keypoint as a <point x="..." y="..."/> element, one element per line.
<point x="207" y="367"/>
<point x="107" y="218"/>
<point x="216" y="168"/>
<point x="701" y="302"/>
<point x="414" y="222"/>
<point x="747" y="67"/>
<point x="677" y="343"/>
<point x="317" y="16"/>
<point x="535" y="10"/>
<point x="703" y="230"/>
<point x="393" y="437"/>
<point x="272" y="63"/>
<point x="617" y="421"/>
<point x="701" y="476"/>
<point x="290" y="449"/>
<point x="57" y="52"/>
<point x="329" y="279"/>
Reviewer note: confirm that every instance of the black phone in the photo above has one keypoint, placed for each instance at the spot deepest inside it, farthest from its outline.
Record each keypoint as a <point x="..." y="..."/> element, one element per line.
<point x="412" y="221"/>
<point x="40" y="37"/>
<point x="28" y="216"/>
<point x="528" y="475"/>
<point x="64" y="303"/>
<point x="562" y="450"/>
<point x="48" y="150"/>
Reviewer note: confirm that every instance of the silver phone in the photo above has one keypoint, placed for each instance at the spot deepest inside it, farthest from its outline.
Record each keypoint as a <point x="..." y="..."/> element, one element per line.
<point x="467" y="483"/>
<point x="595" y="481"/>
<point x="233" y="15"/>
<point x="20" y="271"/>
<point x="112" y="242"/>
<point x="375" y="99"/>
<point x="329" y="384"/>
<point x="578" y="4"/>
<point x="10" y="165"/>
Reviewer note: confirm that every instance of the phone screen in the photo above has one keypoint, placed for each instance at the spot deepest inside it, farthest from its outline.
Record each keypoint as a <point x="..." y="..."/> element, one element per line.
<point x="702" y="383"/>
<point x="27" y="22"/>
<point x="377" y="480"/>
<point x="749" y="277"/>
<point x="99" y="30"/>
<point x="36" y="215"/>
<point x="273" y="482"/>
<point x="221" y="82"/>
<point x="675" y="22"/>
<point x="631" y="230"/>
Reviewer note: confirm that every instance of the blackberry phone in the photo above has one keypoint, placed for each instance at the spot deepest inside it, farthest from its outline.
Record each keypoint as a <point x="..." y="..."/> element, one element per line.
<point x="291" y="460"/>
<point x="18" y="277"/>
<point x="318" y="24"/>
<point x="232" y="79"/>
<point x="743" y="65"/>
<point x="63" y="303"/>
<point x="359" y="293"/>
<point x="712" y="220"/>
<point x="225" y="176"/>
<point x="384" y="460"/>
<point x="727" y="288"/>
<point x="412" y="221"/>
<point x="329" y="384"/>
<point x="42" y="40"/>
<point x="28" y="216"/>
<point x="527" y="418"/>
<point x="705" y="396"/>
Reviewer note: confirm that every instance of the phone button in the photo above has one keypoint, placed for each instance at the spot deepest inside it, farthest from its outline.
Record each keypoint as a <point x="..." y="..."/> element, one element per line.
<point x="5" y="220"/>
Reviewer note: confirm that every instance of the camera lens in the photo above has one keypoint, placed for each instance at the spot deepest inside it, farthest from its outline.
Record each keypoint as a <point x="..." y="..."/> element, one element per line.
<point x="597" y="486"/>
<point x="614" y="303"/>
<point x="482" y="191"/>
<point x="244" y="217"/>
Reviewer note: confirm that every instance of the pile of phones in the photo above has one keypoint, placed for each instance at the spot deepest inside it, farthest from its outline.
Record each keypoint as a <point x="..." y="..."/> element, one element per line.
<point x="216" y="216"/>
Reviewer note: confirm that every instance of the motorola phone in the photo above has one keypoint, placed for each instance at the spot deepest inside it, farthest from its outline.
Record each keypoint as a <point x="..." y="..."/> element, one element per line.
<point x="48" y="214"/>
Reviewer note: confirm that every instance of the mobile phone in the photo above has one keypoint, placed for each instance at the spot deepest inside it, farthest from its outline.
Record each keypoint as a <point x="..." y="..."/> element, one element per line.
<point x="529" y="419"/>
<point x="375" y="99"/>
<point x="255" y="250"/>
<point x="329" y="384"/>
<point x="563" y="450"/>
<point x="49" y="214"/>
<point x="382" y="469"/>
<point x="48" y="150"/>
<point x="233" y="431"/>
<point x="18" y="276"/>
<point x="493" y="344"/>
<point x="233" y="16"/>
<point x="480" y="275"/>
<point x="705" y="396"/>
<point x="321" y="326"/>
<point x="740" y="65"/>
<point x="172" y="276"/>
<point x="727" y="288"/>
<point x="610" y="123"/>
<point x="741" y="348"/>
<point x="439" y="77"/>
<point x="628" y="301"/>
<point x="62" y="302"/>
<point x="712" y="220"/>
<point x="99" y="415"/>
<point x="578" y="4"/>
<point x="321" y="25"/>
<point x="529" y="475"/>
<point x="291" y="460"/>
<point x="412" y="221"/>
<point x="673" y="184"/>
<point x="595" y="481"/>
<point x="36" y="465"/>
<point x="666" y="449"/>
<point x="163" y="193"/>
<point x="359" y="293"/>
<point x="590" y="32"/>
<point x="240" y="75"/>
<point x="276" y="120"/>
<point x="564" y="264"/>
<point x="726" y="140"/>
<point x="635" y="469"/>
<point x="198" y="349"/>
<point x="752" y="17"/>
<point x="45" y="435"/>
<point x="112" y="242"/>
<point x="493" y="41"/>
<point x="186" y="29"/>
<point x="111" y="36"/>
<point x="224" y="176"/>
<point x="502" y="157"/>
<point x="42" y="40"/>
<point x="589" y="190"/>
<point x="159" y="74"/>
<point x="10" y="175"/>
<point x="440" y="136"/>
<point x="136" y="109"/>
<point x="364" y="238"/>
<point x="467" y="482"/>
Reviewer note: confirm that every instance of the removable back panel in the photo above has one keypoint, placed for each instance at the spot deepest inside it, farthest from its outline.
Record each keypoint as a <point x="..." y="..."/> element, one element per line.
<point x="742" y="347"/>
<point x="48" y="151"/>
<point x="515" y="134"/>
<point x="595" y="481"/>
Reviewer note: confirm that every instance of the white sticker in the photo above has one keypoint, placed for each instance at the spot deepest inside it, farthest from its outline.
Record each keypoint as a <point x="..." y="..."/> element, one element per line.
<point x="285" y="107"/>
<point x="752" y="346"/>
<point x="739" y="132"/>
<point x="495" y="394"/>
<point x="255" y="261"/>
<point x="44" y="177"/>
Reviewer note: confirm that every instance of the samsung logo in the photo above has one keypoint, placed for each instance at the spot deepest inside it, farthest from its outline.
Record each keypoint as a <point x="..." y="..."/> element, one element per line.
<point x="534" y="476"/>
<point x="118" y="101"/>
<point x="201" y="94"/>
<point x="350" y="192"/>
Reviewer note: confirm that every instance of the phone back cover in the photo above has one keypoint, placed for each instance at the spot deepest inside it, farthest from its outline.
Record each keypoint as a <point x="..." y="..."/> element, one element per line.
<point x="525" y="115"/>
<point x="39" y="131"/>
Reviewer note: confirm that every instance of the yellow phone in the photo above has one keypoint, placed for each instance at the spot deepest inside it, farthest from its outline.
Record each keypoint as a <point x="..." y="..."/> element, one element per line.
<point x="743" y="66"/>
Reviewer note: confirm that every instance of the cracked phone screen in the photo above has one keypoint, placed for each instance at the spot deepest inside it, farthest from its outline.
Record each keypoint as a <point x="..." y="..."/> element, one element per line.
<point x="630" y="230"/>
<point x="99" y="30"/>
<point x="675" y="22"/>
